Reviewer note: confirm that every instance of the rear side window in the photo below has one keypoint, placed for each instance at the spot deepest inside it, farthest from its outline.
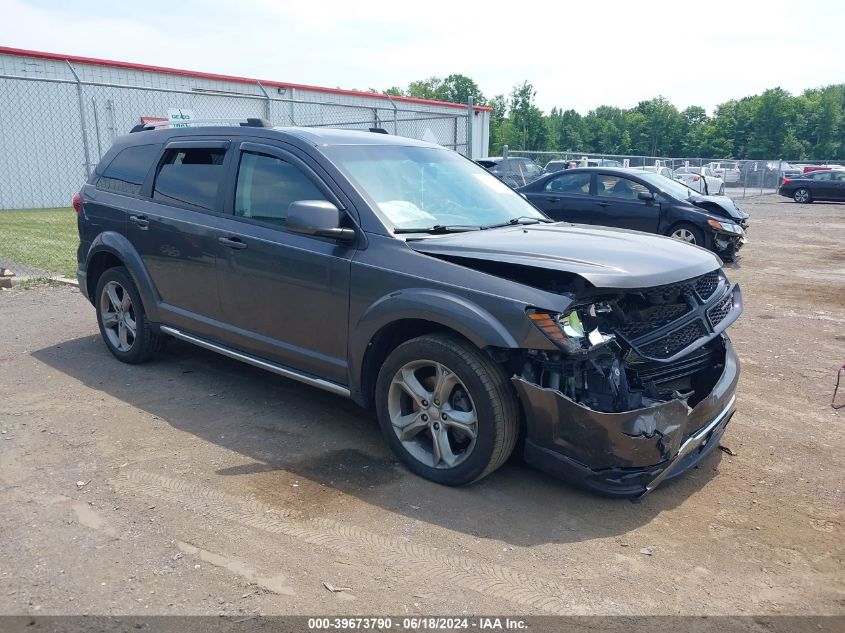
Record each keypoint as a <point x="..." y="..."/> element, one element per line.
<point x="578" y="184"/>
<point x="126" y="173"/>
<point x="190" y="176"/>
<point x="266" y="187"/>
<point x="617" y="187"/>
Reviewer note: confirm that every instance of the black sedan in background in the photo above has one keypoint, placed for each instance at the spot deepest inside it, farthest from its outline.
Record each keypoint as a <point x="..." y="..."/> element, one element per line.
<point x="515" y="172"/>
<point x="815" y="185"/>
<point x="641" y="201"/>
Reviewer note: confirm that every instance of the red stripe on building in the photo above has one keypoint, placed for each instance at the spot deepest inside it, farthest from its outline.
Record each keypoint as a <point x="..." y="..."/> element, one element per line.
<point x="5" y="50"/>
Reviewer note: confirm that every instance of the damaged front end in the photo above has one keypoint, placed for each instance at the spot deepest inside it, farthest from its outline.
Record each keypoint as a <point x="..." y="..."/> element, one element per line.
<point x="641" y="388"/>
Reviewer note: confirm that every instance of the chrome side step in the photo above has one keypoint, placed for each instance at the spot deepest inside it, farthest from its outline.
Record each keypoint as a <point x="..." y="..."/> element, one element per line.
<point x="258" y="362"/>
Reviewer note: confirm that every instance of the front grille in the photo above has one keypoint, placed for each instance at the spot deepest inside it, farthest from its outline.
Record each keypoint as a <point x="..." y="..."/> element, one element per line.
<point x="706" y="285"/>
<point x="718" y="312"/>
<point x="675" y="341"/>
<point x="652" y="319"/>
<point x="668" y="377"/>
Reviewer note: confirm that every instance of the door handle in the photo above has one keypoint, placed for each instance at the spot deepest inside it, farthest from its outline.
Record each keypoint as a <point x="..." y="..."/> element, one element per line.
<point x="140" y="220"/>
<point x="603" y="204"/>
<point x="550" y="199"/>
<point x="231" y="242"/>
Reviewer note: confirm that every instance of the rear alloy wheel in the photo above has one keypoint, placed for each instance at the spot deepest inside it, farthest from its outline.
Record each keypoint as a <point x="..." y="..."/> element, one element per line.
<point x="122" y="320"/>
<point x="687" y="233"/>
<point x="802" y="195"/>
<point x="446" y="409"/>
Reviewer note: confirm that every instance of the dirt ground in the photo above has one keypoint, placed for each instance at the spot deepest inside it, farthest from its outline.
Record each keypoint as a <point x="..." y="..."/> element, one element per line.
<point x="197" y="485"/>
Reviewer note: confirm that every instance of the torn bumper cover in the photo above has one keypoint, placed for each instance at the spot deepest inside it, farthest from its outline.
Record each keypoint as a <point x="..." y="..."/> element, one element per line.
<point x="624" y="454"/>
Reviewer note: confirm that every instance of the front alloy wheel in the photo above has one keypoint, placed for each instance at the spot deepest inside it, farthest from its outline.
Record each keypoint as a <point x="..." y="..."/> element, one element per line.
<point x="446" y="409"/>
<point x="432" y="414"/>
<point x="685" y="235"/>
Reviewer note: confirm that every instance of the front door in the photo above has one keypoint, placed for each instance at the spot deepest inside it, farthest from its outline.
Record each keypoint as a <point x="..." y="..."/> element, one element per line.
<point x="617" y="203"/>
<point x="284" y="296"/>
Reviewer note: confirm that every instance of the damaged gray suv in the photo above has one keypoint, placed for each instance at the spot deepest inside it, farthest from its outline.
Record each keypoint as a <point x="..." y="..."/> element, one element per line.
<point x="406" y="277"/>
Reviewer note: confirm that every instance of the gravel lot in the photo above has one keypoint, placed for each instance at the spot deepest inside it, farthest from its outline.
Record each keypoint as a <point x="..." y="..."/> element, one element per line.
<point x="197" y="485"/>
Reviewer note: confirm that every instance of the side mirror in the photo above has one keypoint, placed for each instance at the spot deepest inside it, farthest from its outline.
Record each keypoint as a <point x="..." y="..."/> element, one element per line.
<point x="319" y="218"/>
<point x="646" y="196"/>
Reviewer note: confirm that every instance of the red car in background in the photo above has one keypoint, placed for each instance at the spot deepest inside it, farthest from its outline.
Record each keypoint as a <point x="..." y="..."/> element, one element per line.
<point x="809" y="168"/>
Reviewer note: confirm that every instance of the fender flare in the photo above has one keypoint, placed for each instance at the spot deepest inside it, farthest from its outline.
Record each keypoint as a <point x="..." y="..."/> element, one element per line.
<point x="117" y="245"/>
<point x="452" y="311"/>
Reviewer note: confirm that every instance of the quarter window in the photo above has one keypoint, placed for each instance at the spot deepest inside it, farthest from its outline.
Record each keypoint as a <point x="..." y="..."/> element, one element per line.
<point x="126" y="173"/>
<point x="190" y="176"/>
<point x="268" y="185"/>
<point x="578" y="184"/>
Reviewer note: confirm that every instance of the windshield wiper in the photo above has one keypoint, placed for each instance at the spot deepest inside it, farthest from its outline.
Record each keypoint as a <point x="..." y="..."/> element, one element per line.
<point x="440" y="228"/>
<point x="519" y="220"/>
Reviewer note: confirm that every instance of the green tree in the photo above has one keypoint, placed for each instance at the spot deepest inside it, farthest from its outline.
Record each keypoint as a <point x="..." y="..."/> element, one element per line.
<point x="458" y="89"/>
<point x="528" y="127"/>
<point x="425" y="88"/>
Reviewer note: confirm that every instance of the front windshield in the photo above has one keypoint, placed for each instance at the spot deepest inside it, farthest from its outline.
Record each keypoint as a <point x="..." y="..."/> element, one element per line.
<point x="668" y="186"/>
<point x="420" y="187"/>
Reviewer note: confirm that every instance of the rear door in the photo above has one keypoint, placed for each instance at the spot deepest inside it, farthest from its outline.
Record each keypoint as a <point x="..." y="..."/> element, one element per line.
<point x="284" y="296"/>
<point x="175" y="230"/>
<point x="617" y="203"/>
<point x="565" y="197"/>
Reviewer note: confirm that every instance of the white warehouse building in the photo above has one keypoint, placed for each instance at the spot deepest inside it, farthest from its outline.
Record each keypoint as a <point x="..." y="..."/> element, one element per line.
<point x="60" y="113"/>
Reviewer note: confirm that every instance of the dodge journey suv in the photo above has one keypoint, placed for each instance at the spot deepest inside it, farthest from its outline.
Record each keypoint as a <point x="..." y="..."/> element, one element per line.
<point x="406" y="277"/>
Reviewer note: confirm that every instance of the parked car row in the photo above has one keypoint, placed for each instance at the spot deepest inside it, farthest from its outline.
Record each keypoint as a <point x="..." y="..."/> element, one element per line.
<point x="462" y="314"/>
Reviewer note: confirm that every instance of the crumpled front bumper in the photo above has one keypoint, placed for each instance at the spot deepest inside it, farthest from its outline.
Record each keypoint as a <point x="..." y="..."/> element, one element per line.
<point x="624" y="454"/>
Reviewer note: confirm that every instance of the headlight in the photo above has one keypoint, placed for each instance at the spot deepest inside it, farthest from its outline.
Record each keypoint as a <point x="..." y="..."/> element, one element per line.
<point x="727" y="227"/>
<point x="569" y="331"/>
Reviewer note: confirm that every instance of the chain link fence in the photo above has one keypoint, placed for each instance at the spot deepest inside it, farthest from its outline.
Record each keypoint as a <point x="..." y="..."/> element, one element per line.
<point x="53" y="131"/>
<point x="740" y="178"/>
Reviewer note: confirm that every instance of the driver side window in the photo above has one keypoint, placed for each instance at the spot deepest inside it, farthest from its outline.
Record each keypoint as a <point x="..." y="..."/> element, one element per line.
<point x="268" y="185"/>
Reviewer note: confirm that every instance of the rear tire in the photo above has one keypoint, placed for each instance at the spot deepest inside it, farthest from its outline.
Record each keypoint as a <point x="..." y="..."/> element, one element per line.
<point x="122" y="319"/>
<point x="721" y="190"/>
<point x="446" y="409"/>
<point x="687" y="233"/>
<point x="802" y="196"/>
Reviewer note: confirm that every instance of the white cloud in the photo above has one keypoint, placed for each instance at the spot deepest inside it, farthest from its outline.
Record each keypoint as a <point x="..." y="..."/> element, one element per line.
<point x="577" y="55"/>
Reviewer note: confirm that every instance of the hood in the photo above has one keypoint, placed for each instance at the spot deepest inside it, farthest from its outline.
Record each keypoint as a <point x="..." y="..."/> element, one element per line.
<point x="723" y="202"/>
<point x="604" y="256"/>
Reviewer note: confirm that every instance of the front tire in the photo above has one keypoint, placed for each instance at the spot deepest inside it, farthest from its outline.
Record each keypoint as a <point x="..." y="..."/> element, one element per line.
<point x="802" y="196"/>
<point x="122" y="319"/>
<point x="722" y="190"/>
<point x="687" y="233"/>
<point x="446" y="409"/>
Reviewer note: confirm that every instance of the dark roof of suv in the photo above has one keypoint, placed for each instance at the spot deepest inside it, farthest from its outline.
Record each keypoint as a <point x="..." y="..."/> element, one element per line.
<point x="312" y="135"/>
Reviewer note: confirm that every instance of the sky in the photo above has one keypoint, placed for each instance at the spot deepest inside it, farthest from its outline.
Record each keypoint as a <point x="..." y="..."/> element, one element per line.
<point x="576" y="54"/>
